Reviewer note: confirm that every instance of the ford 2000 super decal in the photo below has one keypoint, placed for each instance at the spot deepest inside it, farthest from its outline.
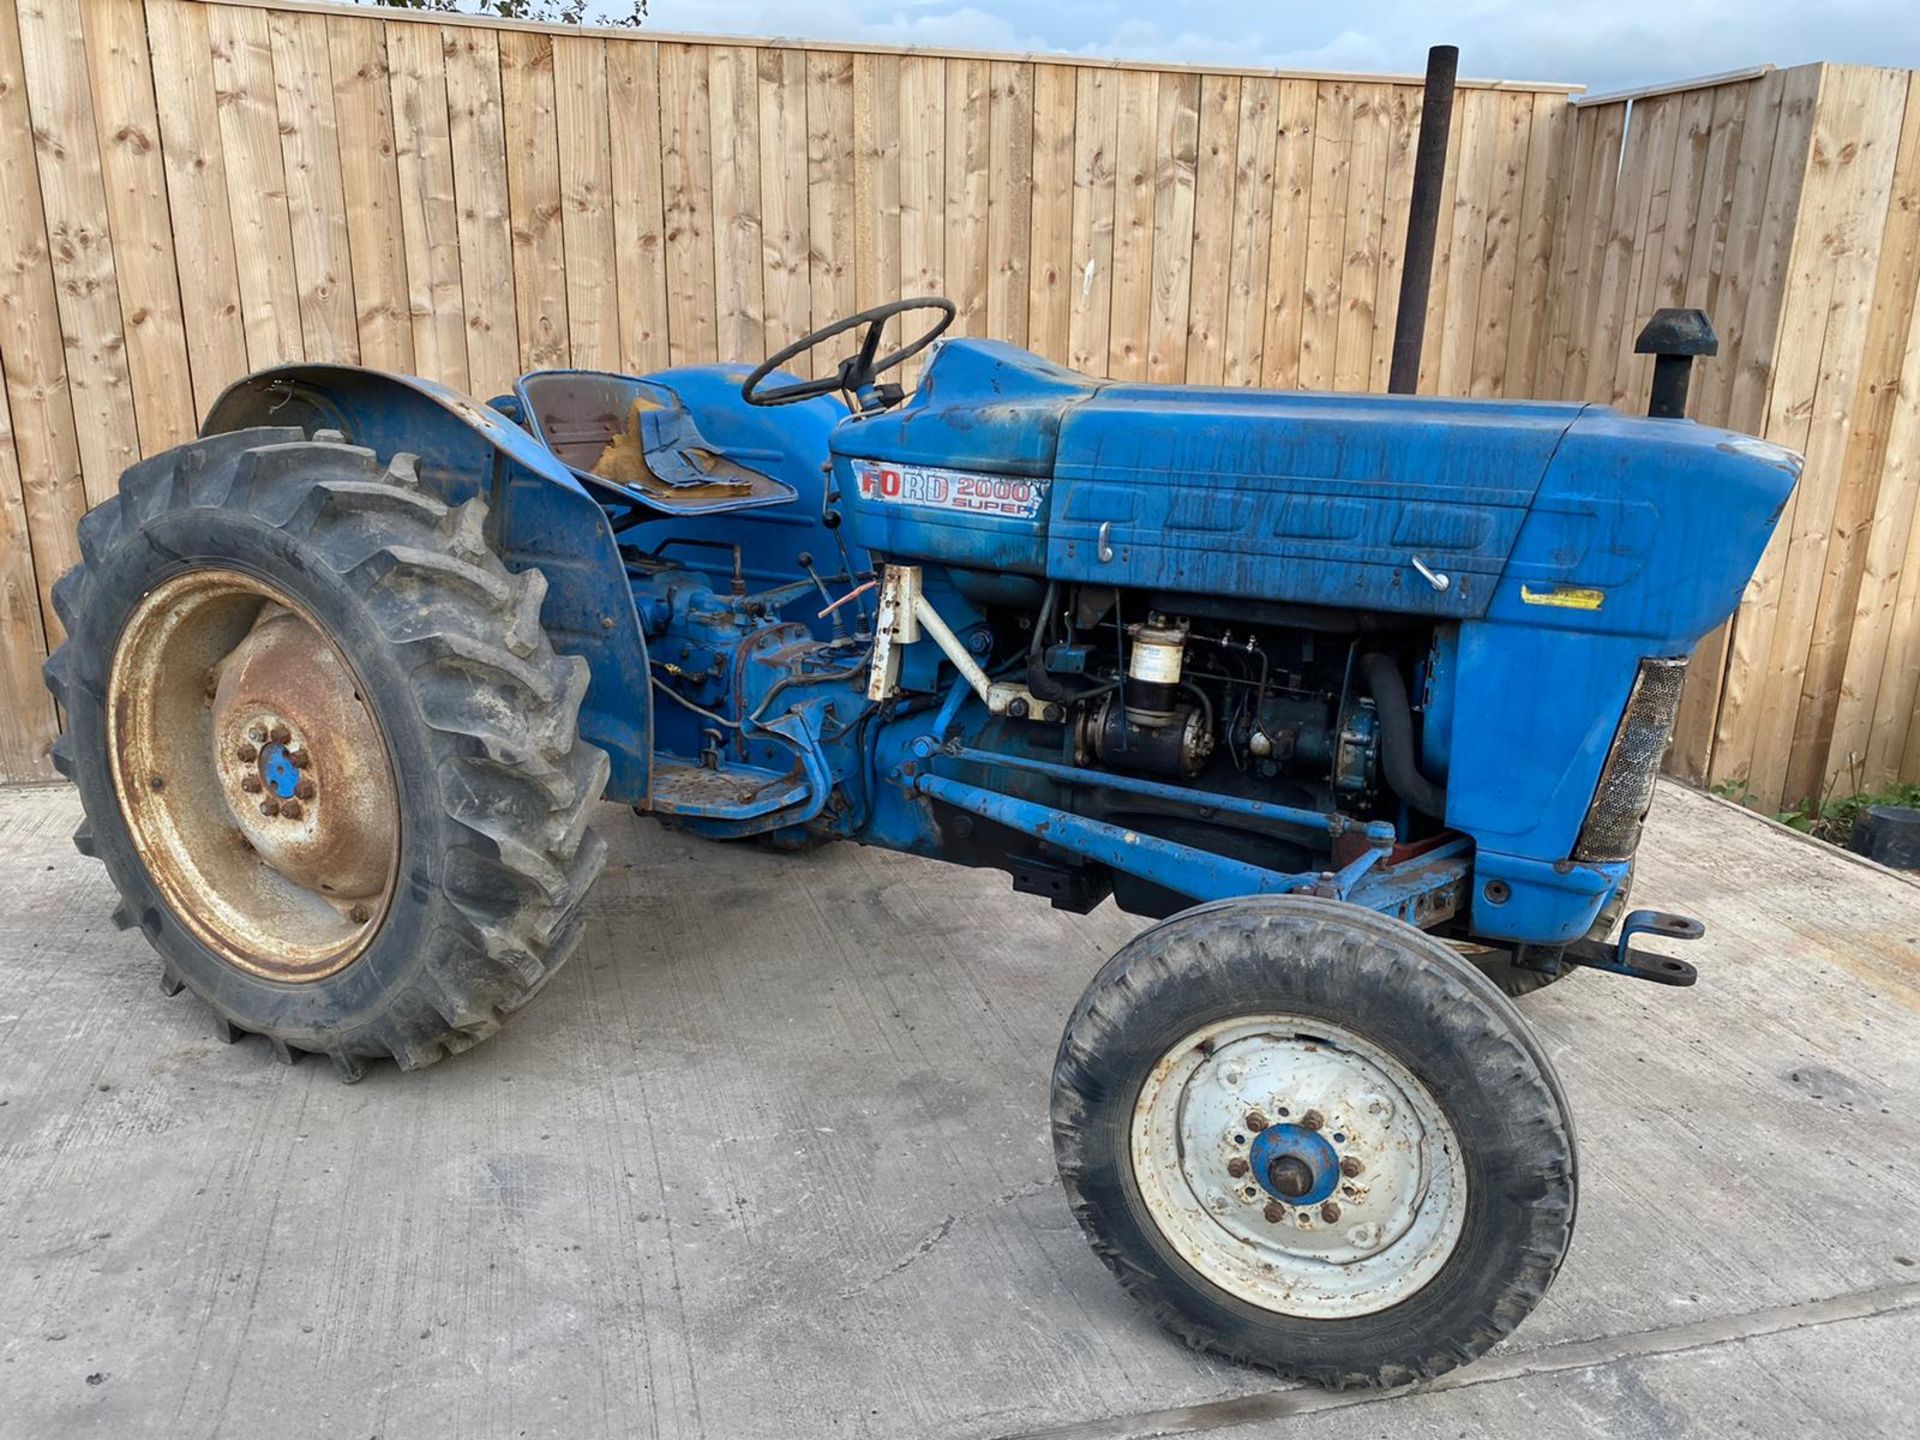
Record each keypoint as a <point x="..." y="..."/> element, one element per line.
<point x="934" y="489"/>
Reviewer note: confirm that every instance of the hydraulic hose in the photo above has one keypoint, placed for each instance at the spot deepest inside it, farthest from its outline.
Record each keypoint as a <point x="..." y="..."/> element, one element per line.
<point x="1395" y="715"/>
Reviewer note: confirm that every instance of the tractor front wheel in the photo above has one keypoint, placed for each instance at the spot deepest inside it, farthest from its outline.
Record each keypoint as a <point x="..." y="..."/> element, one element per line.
<point x="326" y="751"/>
<point x="1313" y="1138"/>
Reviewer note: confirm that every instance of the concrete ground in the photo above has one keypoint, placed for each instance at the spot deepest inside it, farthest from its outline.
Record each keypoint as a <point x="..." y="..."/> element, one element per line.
<point x="770" y="1160"/>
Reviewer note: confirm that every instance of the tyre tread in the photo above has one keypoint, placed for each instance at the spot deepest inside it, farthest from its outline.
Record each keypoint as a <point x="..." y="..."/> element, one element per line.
<point x="524" y="785"/>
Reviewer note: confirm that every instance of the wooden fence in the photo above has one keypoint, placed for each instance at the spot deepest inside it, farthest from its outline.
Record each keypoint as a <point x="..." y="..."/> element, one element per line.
<point x="190" y="189"/>
<point x="1788" y="207"/>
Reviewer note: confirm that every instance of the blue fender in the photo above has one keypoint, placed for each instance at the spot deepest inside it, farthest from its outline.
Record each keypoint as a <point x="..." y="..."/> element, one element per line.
<point x="540" y="516"/>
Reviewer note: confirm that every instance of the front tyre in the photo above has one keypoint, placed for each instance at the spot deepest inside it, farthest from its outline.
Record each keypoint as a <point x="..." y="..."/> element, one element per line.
<point x="1313" y="1138"/>
<point x="326" y="751"/>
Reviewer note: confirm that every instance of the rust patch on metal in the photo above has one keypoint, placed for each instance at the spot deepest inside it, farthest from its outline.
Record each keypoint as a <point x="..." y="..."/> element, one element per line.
<point x="269" y="880"/>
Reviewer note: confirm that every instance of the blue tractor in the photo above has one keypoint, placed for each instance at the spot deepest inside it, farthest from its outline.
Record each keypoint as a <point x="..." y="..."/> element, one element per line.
<point x="1359" y="698"/>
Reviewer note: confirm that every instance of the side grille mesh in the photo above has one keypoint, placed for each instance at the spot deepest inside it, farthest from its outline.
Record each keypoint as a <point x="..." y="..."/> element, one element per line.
<point x="1620" y="804"/>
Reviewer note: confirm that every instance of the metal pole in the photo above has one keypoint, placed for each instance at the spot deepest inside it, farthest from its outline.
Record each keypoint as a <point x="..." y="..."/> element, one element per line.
<point x="1423" y="218"/>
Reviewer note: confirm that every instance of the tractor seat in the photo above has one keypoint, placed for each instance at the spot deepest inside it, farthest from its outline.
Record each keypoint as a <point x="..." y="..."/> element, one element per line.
<point x="638" y="438"/>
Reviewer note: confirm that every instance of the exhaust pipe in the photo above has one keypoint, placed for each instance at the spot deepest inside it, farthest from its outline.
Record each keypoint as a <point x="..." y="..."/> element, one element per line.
<point x="1423" y="218"/>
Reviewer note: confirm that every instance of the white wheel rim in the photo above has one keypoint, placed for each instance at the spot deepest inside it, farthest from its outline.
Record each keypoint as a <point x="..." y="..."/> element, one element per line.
<point x="1381" y="1216"/>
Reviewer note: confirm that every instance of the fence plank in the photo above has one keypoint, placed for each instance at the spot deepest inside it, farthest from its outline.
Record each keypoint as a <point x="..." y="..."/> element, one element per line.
<point x="1713" y="207"/>
<point x="256" y="184"/>
<point x="1883" y="655"/>
<point x="1009" y="198"/>
<point x="1096" y="131"/>
<point x="1215" y="175"/>
<point x="1251" y="247"/>
<point x="1564" y="266"/>
<point x="1499" y="263"/>
<point x="1533" y="254"/>
<point x="1665" y="282"/>
<point x="738" y="252"/>
<point x="1297" y="113"/>
<point x="27" y="720"/>
<point x="32" y="355"/>
<point x="197" y="206"/>
<point x="1176" y="146"/>
<point x="876" y="185"/>
<point x="429" y="214"/>
<point x="686" y="169"/>
<point x="533" y="199"/>
<point x="1371" y="139"/>
<point x="472" y="61"/>
<point x="1648" y="146"/>
<point x="639" y="223"/>
<point x="1134" y="167"/>
<point x="1481" y="168"/>
<point x="1439" y="289"/>
<point x="73" y="195"/>
<point x="1050" y="250"/>
<point x="586" y="201"/>
<point x="830" y="189"/>
<point x="370" y="180"/>
<point x="145" y="273"/>
<point x="1753" y="110"/>
<point x="786" y="286"/>
<point x="1326" y="234"/>
<point x="316" y="194"/>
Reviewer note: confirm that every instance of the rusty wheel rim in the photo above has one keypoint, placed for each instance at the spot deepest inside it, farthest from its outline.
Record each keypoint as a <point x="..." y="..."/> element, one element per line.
<point x="255" y="779"/>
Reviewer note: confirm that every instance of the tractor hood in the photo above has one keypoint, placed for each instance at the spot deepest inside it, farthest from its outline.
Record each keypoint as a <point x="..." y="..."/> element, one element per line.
<point x="1549" y="513"/>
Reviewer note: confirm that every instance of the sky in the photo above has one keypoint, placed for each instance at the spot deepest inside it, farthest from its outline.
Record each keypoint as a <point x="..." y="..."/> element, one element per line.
<point x="1604" y="44"/>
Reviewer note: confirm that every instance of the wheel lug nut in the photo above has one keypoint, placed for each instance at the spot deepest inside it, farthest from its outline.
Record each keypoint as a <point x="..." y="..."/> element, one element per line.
<point x="280" y="735"/>
<point x="290" y="809"/>
<point x="1237" y="1166"/>
<point x="299" y="759"/>
<point x="1256" y="1120"/>
<point x="248" y="752"/>
<point x="1350" y="1165"/>
<point x="304" y="789"/>
<point x="269" y="806"/>
<point x="1275" y="1212"/>
<point x="1313" y="1120"/>
<point x="358" y="914"/>
<point x="250" y="784"/>
<point x="1330" y="1212"/>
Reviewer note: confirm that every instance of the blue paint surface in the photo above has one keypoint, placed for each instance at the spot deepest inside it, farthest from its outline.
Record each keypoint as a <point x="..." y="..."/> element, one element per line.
<point x="1573" y="542"/>
<point x="1309" y="1146"/>
<point x="280" y="774"/>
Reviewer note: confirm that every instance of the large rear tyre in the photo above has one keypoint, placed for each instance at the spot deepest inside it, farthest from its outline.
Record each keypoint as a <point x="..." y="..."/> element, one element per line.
<point x="1313" y="1138"/>
<point x="325" y="749"/>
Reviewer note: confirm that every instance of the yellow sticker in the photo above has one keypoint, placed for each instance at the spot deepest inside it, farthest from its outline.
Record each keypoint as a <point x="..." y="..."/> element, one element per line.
<point x="1565" y="597"/>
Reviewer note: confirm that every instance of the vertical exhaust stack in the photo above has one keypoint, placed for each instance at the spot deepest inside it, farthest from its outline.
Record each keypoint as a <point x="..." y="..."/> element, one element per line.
<point x="1423" y="218"/>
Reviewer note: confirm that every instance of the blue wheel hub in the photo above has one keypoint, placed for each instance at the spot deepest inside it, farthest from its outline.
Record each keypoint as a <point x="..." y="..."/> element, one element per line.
<point x="280" y="775"/>
<point x="1295" y="1165"/>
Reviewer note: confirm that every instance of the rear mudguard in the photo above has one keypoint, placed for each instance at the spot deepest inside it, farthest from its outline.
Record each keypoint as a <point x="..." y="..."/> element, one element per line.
<point x="539" y="516"/>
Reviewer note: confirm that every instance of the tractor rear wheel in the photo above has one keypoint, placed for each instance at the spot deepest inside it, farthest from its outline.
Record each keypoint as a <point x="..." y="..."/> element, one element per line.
<point x="326" y="751"/>
<point x="1311" y="1137"/>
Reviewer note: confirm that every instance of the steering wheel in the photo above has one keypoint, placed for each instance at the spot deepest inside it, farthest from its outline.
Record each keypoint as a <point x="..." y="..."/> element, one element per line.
<point x="855" y="374"/>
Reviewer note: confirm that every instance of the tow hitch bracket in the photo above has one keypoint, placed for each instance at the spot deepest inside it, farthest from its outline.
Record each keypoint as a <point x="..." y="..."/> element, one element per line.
<point x="1620" y="958"/>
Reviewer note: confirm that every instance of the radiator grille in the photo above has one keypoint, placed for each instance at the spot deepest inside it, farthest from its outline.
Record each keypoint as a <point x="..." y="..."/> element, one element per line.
<point x="1612" y="827"/>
